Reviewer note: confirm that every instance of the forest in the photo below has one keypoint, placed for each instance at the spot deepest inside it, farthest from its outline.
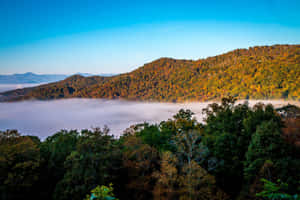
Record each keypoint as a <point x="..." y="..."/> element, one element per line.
<point x="261" y="72"/>
<point x="237" y="153"/>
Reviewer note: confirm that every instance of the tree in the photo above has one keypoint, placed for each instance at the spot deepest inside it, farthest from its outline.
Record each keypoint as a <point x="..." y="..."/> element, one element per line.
<point x="194" y="181"/>
<point x="167" y="178"/>
<point x="276" y="191"/>
<point x="181" y="175"/>
<point x="91" y="164"/>
<point x="19" y="165"/>
<point x="196" y="184"/>
<point x="102" y="193"/>
<point x="227" y="142"/>
<point x="156" y="137"/>
<point x="140" y="160"/>
<point x="227" y="134"/>
<point x="54" y="151"/>
<point x="266" y="144"/>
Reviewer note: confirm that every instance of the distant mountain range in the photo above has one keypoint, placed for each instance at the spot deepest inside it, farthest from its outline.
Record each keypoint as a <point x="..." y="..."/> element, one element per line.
<point x="30" y="77"/>
<point x="261" y="72"/>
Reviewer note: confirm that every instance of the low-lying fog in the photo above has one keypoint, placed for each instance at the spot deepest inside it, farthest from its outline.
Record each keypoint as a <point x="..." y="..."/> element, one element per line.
<point x="44" y="118"/>
<point x="7" y="87"/>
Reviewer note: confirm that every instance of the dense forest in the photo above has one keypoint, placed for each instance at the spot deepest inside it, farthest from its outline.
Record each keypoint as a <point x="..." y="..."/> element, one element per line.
<point x="261" y="72"/>
<point x="238" y="153"/>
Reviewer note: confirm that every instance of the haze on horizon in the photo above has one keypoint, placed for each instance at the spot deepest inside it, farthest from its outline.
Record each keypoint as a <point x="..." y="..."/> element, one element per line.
<point x="89" y="36"/>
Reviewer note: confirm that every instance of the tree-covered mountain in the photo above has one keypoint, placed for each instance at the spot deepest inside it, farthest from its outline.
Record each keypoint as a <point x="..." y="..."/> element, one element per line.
<point x="258" y="73"/>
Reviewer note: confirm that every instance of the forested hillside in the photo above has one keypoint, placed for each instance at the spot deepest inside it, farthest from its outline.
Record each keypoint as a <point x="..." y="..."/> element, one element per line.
<point x="257" y="73"/>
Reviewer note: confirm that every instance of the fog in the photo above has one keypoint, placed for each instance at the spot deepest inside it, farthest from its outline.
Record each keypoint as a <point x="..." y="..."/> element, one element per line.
<point x="44" y="118"/>
<point x="7" y="87"/>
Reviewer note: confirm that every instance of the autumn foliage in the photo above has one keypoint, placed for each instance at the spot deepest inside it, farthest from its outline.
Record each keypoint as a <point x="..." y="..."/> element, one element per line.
<point x="262" y="72"/>
<point x="223" y="158"/>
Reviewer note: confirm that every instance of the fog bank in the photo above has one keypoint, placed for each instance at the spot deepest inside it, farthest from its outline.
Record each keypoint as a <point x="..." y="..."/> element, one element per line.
<point x="7" y="87"/>
<point x="44" y="118"/>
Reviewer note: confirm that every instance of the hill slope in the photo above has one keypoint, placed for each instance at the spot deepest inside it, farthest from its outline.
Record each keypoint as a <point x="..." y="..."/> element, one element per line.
<point x="257" y="72"/>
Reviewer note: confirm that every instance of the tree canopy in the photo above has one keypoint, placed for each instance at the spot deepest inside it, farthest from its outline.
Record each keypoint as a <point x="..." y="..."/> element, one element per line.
<point x="224" y="157"/>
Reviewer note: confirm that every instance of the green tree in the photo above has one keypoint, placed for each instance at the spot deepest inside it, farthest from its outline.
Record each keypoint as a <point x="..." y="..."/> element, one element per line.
<point x="266" y="144"/>
<point x="227" y="142"/>
<point x="92" y="163"/>
<point x="227" y="134"/>
<point x="276" y="191"/>
<point x="19" y="165"/>
<point x="102" y="193"/>
<point x="54" y="151"/>
<point x="156" y="137"/>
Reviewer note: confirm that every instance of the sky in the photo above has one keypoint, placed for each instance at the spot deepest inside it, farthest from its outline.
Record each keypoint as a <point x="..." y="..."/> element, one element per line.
<point x="116" y="36"/>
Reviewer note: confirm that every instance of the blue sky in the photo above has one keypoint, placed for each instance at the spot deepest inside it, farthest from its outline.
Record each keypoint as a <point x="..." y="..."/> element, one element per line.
<point x="115" y="36"/>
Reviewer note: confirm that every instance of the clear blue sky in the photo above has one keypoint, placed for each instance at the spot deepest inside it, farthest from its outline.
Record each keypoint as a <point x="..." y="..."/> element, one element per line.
<point x="113" y="36"/>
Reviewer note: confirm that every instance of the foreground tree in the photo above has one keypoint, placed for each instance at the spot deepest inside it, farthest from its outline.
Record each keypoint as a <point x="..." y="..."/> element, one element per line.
<point x="276" y="191"/>
<point x="102" y="193"/>
<point x="167" y="178"/>
<point x="140" y="160"/>
<point x="54" y="151"/>
<point x="181" y="176"/>
<point x="91" y="164"/>
<point x="19" y="165"/>
<point x="268" y="146"/>
<point x="227" y="134"/>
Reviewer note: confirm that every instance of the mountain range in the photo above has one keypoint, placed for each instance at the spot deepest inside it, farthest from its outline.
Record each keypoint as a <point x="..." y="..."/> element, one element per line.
<point x="260" y="72"/>
<point x="31" y="78"/>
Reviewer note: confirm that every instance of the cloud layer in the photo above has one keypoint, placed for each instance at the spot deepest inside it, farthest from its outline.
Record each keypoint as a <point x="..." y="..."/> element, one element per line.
<point x="7" y="87"/>
<point x="44" y="118"/>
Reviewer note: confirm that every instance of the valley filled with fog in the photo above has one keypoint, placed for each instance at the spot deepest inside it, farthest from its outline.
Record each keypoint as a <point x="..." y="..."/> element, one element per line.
<point x="7" y="87"/>
<point x="44" y="118"/>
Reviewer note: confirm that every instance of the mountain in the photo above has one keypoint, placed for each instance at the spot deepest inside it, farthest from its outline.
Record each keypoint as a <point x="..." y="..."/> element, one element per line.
<point x="88" y="74"/>
<point x="30" y="78"/>
<point x="260" y="72"/>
